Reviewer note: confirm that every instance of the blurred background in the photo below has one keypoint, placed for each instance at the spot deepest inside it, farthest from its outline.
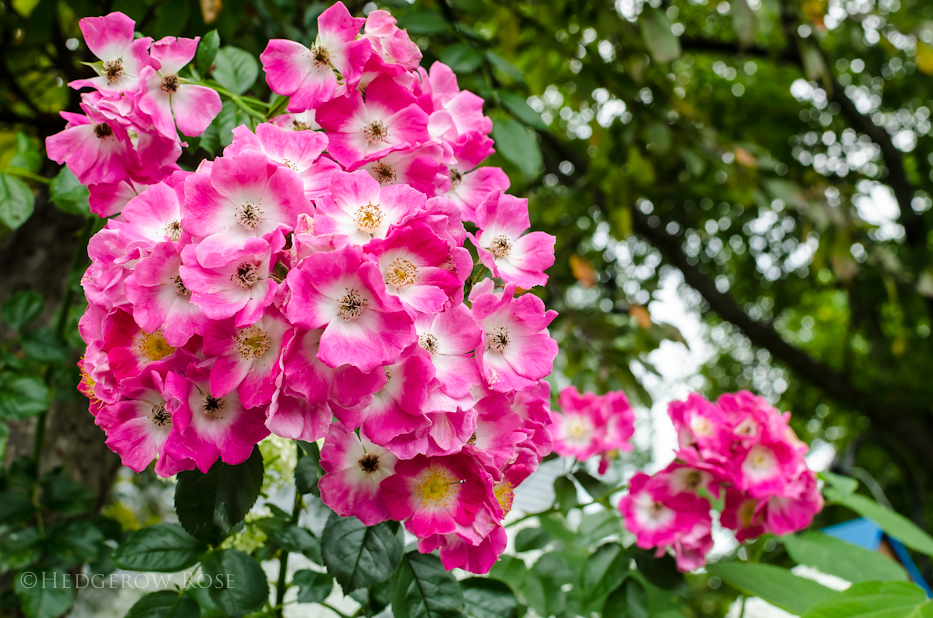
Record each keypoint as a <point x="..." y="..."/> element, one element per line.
<point x="740" y="190"/>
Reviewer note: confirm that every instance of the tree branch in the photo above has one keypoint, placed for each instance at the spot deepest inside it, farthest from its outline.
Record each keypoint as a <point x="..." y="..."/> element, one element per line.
<point x="913" y="223"/>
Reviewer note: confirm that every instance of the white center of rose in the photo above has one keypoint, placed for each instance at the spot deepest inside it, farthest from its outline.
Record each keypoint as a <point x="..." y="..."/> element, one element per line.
<point x="428" y="342"/>
<point x="498" y="339"/>
<point x="376" y="131"/>
<point x="351" y="305"/>
<point x="252" y="342"/>
<point x="246" y="275"/>
<point x="249" y="215"/>
<point x="212" y="407"/>
<point x="501" y="247"/>
<point x="368" y="218"/>
<point x="159" y="416"/>
<point x="401" y="273"/>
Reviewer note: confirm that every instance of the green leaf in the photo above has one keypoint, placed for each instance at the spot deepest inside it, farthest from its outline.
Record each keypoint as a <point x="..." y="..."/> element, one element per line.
<point x="511" y="570"/>
<point x="836" y="557"/>
<point x="306" y="476"/>
<point x="45" y="346"/>
<point x="357" y="555"/>
<point x="514" y="142"/>
<point x="210" y="505"/>
<point x="893" y="523"/>
<point x="42" y="593"/>
<point x="462" y="58"/>
<point x="238" y="583"/>
<point x="521" y="110"/>
<point x="423" y="22"/>
<point x="605" y="570"/>
<point x="424" y="589"/>
<point x="16" y="201"/>
<point x="68" y="194"/>
<point x="164" y="548"/>
<point x="660" y="41"/>
<point x="27" y="156"/>
<point x="775" y="585"/>
<point x="629" y="600"/>
<point x="291" y="537"/>
<point x="844" y="484"/>
<point x="235" y="69"/>
<point x="22" y="396"/>
<point x="875" y="600"/>
<point x="207" y="52"/>
<point x="591" y="485"/>
<point x="529" y="539"/>
<point x="504" y="66"/>
<point x="313" y="587"/>
<point x="566" y="493"/>
<point x="22" y="308"/>
<point x="661" y="572"/>
<point x="76" y="541"/>
<point x="14" y="505"/>
<point x="65" y="496"/>
<point x="164" y="604"/>
<point x="488" y="598"/>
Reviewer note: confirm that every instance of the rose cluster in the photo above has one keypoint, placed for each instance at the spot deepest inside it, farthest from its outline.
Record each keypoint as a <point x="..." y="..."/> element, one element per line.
<point x="588" y="424"/>
<point x="311" y="281"/>
<point x="740" y="451"/>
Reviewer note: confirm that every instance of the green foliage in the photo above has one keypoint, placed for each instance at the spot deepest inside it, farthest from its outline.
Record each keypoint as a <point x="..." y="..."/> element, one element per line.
<point x="68" y="194"/>
<point x="164" y="604"/>
<point x="235" y="69"/>
<point x="210" y="505"/>
<point x="16" y="201"/>
<point x="238" y="583"/>
<point x="160" y="547"/>
<point x="313" y="587"/>
<point x="424" y="589"/>
<point x="836" y="557"/>
<point x="889" y="599"/>
<point x="358" y="556"/>
<point x="774" y="584"/>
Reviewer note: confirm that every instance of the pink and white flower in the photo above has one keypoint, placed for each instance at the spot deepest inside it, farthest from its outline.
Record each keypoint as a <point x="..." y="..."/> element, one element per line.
<point x="248" y="359"/>
<point x="313" y="76"/>
<point x="209" y="428"/>
<point x="160" y="299"/>
<point x="111" y="39"/>
<point x="354" y="469"/>
<point x="441" y="495"/>
<point x="361" y="131"/>
<point x="517" y="351"/>
<point x="510" y="255"/>
<point x="241" y="288"/>
<point x="359" y="210"/>
<point x="450" y="337"/>
<point x="242" y="200"/>
<point x="417" y="267"/>
<point x="167" y="99"/>
<point x="343" y="293"/>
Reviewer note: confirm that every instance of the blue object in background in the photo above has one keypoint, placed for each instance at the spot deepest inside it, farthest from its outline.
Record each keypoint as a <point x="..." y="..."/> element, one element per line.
<point x="866" y="533"/>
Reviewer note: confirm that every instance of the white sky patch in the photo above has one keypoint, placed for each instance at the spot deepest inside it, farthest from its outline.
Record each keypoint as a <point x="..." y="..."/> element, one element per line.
<point x="876" y="205"/>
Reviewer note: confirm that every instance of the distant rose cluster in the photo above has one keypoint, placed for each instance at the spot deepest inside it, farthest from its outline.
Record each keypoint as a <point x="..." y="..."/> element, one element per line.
<point x="310" y="282"/>
<point x="739" y="450"/>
